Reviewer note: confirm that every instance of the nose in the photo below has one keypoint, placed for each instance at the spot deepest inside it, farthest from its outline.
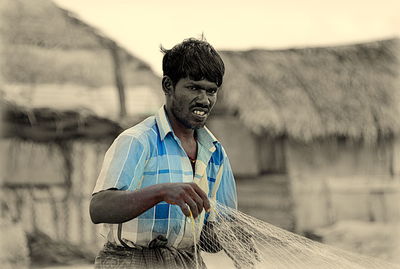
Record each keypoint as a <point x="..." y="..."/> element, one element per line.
<point x="202" y="98"/>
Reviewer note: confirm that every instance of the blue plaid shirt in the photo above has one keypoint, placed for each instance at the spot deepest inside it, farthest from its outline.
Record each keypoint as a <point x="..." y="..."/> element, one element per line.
<point x="150" y="153"/>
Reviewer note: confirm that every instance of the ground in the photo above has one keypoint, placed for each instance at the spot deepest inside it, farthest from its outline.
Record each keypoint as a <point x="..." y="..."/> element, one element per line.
<point x="379" y="240"/>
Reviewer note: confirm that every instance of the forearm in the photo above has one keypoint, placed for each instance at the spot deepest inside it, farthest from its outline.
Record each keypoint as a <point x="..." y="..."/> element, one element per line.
<point x="115" y="206"/>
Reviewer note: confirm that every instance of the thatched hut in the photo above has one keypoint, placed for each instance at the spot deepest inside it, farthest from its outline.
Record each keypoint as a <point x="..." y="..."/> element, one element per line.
<point x="49" y="163"/>
<point x="62" y="96"/>
<point x="328" y="118"/>
<point x="50" y="58"/>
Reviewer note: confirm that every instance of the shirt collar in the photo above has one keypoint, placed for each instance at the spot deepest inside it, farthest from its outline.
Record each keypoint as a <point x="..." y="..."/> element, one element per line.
<point x="204" y="136"/>
<point x="163" y="123"/>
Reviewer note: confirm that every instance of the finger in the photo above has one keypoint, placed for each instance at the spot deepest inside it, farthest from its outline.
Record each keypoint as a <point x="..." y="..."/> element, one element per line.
<point x="185" y="209"/>
<point x="199" y="202"/>
<point x="193" y="206"/>
<point x="196" y="197"/>
<point x="206" y="204"/>
<point x="203" y="196"/>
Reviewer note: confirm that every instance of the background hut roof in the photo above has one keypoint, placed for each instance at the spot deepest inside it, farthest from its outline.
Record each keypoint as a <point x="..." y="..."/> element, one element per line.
<point x="46" y="49"/>
<point x="350" y="91"/>
<point x="45" y="124"/>
<point x="42" y="43"/>
<point x="57" y="68"/>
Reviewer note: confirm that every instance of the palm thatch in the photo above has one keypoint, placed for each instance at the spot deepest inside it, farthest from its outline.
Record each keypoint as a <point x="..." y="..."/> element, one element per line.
<point x="42" y="44"/>
<point x="56" y="70"/>
<point x="45" y="124"/>
<point x="351" y="91"/>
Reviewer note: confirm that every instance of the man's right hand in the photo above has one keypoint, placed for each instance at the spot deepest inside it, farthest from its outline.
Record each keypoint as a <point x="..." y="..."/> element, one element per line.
<point x="188" y="196"/>
<point x="116" y="206"/>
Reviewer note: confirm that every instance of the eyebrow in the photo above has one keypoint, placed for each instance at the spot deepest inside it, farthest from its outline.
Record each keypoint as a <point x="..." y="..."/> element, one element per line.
<point x="193" y="83"/>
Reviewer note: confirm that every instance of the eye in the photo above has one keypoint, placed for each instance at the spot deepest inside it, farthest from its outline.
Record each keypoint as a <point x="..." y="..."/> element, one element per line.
<point x="212" y="91"/>
<point x="192" y="87"/>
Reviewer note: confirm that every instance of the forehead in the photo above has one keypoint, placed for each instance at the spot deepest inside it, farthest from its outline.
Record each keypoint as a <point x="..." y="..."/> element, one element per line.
<point x="204" y="83"/>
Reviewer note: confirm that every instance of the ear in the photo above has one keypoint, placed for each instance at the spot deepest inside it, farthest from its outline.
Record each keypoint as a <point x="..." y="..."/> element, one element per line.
<point x="167" y="85"/>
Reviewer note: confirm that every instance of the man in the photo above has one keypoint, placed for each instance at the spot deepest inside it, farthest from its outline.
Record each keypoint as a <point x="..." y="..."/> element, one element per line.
<point x="162" y="173"/>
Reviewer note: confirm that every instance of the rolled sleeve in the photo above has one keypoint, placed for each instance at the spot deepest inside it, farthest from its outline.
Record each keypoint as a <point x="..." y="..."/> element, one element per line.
<point x="123" y="165"/>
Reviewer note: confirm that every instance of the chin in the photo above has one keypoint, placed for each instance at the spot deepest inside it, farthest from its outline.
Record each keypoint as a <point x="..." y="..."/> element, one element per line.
<point x="198" y="125"/>
<point x="193" y="124"/>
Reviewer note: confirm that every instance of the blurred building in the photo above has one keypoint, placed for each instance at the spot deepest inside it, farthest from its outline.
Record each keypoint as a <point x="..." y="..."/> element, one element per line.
<point x="66" y="89"/>
<point x="321" y="126"/>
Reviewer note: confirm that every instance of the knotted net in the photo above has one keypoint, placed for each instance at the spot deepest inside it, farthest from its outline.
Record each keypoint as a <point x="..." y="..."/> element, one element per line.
<point x="252" y="243"/>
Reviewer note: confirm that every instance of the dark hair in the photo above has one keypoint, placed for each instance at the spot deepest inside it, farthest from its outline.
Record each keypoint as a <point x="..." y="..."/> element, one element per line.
<point x="195" y="59"/>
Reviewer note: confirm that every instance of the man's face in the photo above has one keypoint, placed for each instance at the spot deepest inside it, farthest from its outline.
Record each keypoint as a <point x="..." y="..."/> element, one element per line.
<point x="191" y="101"/>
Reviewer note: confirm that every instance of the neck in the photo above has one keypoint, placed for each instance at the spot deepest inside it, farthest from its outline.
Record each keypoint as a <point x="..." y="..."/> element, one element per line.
<point x="181" y="131"/>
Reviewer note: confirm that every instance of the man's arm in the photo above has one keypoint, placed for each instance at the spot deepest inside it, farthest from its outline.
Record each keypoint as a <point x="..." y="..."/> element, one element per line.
<point x="115" y="206"/>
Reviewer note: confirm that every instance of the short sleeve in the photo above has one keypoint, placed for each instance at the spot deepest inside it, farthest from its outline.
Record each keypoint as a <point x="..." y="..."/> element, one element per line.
<point x="123" y="165"/>
<point x="226" y="193"/>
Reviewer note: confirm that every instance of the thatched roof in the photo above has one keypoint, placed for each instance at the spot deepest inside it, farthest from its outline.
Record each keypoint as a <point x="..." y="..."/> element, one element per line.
<point x="45" y="124"/>
<point x="57" y="67"/>
<point x="309" y="93"/>
<point x="44" y="44"/>
<point x="44" y="47"/>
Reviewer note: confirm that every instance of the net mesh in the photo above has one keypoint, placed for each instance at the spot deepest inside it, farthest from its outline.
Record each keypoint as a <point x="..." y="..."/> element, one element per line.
<point x="252" y="243"/>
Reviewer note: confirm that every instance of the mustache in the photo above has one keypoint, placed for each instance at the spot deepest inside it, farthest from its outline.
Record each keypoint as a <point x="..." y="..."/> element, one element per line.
<point x="200" y="106"/>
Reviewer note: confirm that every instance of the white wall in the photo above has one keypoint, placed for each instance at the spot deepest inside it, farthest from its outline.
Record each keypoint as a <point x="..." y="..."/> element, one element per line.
<point x="55" y="209"/>
<point x="342" y="181"/>
<point x="30" y="163"/>
<point x="239" y="143"/>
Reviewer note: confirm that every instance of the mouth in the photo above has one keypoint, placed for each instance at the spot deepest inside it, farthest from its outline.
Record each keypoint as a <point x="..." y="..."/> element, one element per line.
<point x="200" y="113"/>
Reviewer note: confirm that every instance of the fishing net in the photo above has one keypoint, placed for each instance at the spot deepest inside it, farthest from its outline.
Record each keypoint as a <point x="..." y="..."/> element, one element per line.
<point x="252" y="243"/>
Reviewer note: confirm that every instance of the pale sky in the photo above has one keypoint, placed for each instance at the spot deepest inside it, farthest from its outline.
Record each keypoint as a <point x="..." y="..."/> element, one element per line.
<point x="141" y="26"/>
